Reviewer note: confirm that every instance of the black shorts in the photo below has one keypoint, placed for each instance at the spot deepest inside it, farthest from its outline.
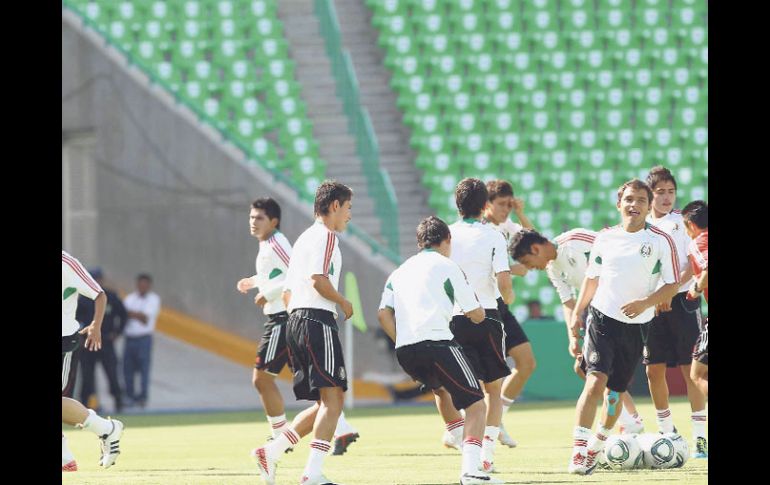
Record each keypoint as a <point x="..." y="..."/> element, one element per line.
<point x="315" y="352"/>
<point x="442" y="363"/>
<point x="672" y="334"/>
<point x="613" y="348"/>
<point x="700" y="350"/>
<point x="272" y="353"/>
<point x="482" y="344"/>
<point x="70" y="344"/>
<point x="514" y="334"/>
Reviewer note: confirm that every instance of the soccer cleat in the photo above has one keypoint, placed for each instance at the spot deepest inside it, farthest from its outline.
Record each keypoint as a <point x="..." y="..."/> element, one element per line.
<point x="318" y="480"/>
<point x="265" y="465"/>
<point x="111" y="444"/>
<point x="591" y="461"/>
<point x="342" y="442"/>
<point x="701" y="448"/>
<point x="577" y="464"/>
<point x="448" y="440"/>
<point x="487" y="466"/>
<point x="637" y="427"/>
<point x="71" y="466"/>
<point x="478" y="478"/>
<point x="505" y="439"/>
<point x="288" y="450"/>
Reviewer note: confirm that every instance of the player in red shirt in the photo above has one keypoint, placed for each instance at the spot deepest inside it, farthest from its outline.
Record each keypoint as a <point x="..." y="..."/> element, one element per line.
<point x="696" y="221"/>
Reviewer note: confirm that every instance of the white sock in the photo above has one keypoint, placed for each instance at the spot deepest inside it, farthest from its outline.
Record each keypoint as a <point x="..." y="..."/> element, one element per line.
<point x="66" y="454"/>
<point x="281" y="443"/>
<point x="278" y="424"/>
<point x="456" y="429"/>
<point x="580" y="437"/>
<point x="597" y="441"/>
<point x="318" y="450"/>
<point x="343" y="427"/>
<point x="699" y="424"/>
<point x="665" y="421"/>
<point x="488" y="446"/>
<point x="471" y="455"/>
<point x="96" y="424"/>
<point x="506" y="403"/>
<point x="625" y="417"/>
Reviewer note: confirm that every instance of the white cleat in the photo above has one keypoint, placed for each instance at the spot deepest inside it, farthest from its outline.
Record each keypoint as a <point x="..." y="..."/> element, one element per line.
<point x="448" y="440"/>
<point x="111" y="444"/>
<point x="487" y="467"/>
<point x="505" y="439"/>
<point x="70" y="466"/>
<point x="637" y="427"/>
<point x="577" y="464"/>
<point x="317" y="480"/>
<point x="265" y="465"/>
<point x="477" y="478"/>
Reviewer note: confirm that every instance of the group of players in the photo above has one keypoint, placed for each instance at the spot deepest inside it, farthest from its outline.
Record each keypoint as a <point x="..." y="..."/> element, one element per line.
<point x="632" y="290"/>
<point x="629" y="290"/>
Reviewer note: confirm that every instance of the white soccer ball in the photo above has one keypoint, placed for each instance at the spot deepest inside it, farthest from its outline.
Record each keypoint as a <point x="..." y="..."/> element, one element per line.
<point x="622" y="452"/>
<point x="658" y="450"/>
<point x="681" y="450"/>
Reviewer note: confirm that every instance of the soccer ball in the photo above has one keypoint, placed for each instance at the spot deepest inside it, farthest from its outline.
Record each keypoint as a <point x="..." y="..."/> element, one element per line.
<point x="601" y="462"/>
<point x="659" y="451"/>
<point x="622" y="452"/>
<point x="681" y="450"/>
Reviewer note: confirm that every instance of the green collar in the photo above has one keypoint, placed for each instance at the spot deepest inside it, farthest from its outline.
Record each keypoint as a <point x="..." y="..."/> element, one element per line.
<point x="471" y="220"/>
<point x="429" y="250"/>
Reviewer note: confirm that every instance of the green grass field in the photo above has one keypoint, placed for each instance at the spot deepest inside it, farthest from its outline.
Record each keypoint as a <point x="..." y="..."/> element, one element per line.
<point x="398" y="445"/>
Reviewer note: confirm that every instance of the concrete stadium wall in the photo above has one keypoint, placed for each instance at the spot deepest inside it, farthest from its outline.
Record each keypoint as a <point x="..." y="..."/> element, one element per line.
<point x="172" y="200"/>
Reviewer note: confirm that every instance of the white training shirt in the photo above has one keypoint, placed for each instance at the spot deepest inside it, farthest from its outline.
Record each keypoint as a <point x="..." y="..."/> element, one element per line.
<point x="422" y="292"/>
<point x="149" y="304"/>
<point x="75" y="281"/>
<point x="629" y="266"/>
<point x="316" y="251"/>
<point x="568" y="270"/>
<point x="673" y="225"/>
<point x="272" y="265"/>
<point x="481" y="253"/>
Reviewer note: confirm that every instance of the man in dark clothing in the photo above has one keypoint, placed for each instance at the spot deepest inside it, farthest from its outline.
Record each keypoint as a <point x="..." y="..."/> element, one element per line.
<point x="115" y="319"/>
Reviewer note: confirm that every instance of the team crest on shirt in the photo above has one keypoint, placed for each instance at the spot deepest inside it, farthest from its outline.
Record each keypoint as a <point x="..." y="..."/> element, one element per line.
<point x="676" y="226"/>
<point x="341" y="373"/>
<point x="646" y="250"/>
<point x="571" y="261"/>
<point x="594" y="357"/>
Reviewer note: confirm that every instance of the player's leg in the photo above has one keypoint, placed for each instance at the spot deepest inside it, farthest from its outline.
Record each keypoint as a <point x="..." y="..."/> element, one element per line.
<point x="453" y="420"/>
<point x="109" y="431"/>
<point x="272" y="355"/>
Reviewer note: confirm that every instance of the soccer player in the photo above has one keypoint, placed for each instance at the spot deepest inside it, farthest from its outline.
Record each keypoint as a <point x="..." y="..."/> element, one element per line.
<point x="565" y="260"/>
<point x="675" y="328"/>
<point x="501" y="204"/>
<point x="312" y="335"/>
<point x="696" y="221"/>
<point x="480" y="252"/>
<point x="415" y="311"/>
<point x="626" y="263"/>
<point x="75" y="281"/>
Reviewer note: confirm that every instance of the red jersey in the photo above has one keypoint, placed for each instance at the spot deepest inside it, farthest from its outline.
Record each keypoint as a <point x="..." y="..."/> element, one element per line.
<point x="698" y="254"/>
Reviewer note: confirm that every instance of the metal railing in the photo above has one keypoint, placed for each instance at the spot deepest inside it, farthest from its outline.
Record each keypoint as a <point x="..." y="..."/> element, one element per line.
<point x="360" y="125"/>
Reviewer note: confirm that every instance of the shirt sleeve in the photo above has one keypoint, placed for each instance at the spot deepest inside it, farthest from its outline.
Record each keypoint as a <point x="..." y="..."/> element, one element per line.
<point x="557" y="280"/>
<point x="152" y="310"/>
<point x="668" y="259"/>
<point x="464" y="295"/>
<point x="500" y="255"/>
<point x="79" y="278"/>
<point x="273" y="283"/>
<point x="387" y="300"/>
<point x="594" y="269"/>
<point x="699" y="251"/>
<point x="321" y="258"/>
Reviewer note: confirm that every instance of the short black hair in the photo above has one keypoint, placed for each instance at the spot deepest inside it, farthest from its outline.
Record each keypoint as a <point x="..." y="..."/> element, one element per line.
<point x="328" y="192"/>
<point x="697" y="212"/>
<point x="471" y="196"/>
<point x="635" y="184"/>
<point x="271" y="208"/>
<point x="660" y="174"/>
<point x="522" y="241"/>
<point x="499" y="188"/>
<point x="431" y="231"/>
<point x="144" y="276"/>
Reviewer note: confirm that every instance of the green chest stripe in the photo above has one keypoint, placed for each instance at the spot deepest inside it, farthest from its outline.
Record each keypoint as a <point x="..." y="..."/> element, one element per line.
<point x="275" y="273"/>
<point x="656" y="269"/>
<point x="450" y="290"/>
<point x="68" y="292"/>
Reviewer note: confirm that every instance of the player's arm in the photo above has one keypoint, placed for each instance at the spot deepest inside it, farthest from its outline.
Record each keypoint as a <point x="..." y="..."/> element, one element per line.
<point x="587" y="292"/>
<point x="518" y="209"/>
<point x="286" y="297"/>
<point x="386" y="314"/>
<point x="246" y="284"/>
<point x="502" y="269"/>
<point x="568" y="307"/>
<point x="701" y="283"/>
<point x="324" y="287"/>
<point x="465" y="297"/>
<point x="505" y="285"/>
<point x="669" y="275"/>
<point x="518" y="269"/>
